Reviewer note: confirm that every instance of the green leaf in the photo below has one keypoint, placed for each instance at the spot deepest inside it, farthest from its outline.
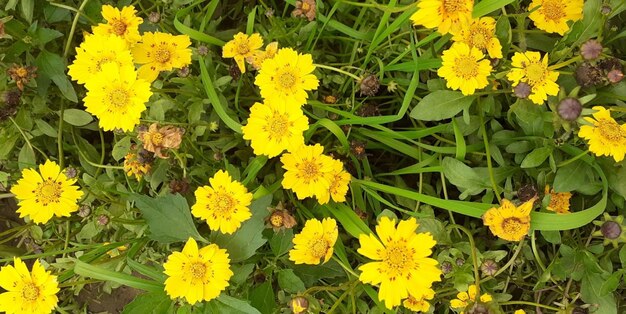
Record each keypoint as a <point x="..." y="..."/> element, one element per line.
<point x="46" y="128"/>
<point x="310" y="274"/>
<point x="485" y="7"/>
<point x="77" y="117"/>
<point x="168" y="217"/>
<point x="611" y="283"/>
<point x="553" y="237"/>
<point x="121" y="148"/>
<point x="248" y="238"/>
<point x="441" y="104"/>
<point x="51" y="66"/>
<point x="262" y="297"/>
<point x="536" y="157"/>
<point x="229" y="305"/>
<point x="462" y="176"/>
<point x="216" y="102"/>
<point x="26" y="158"/>
<point x="590" y="292"/>
<point x="27" y="6"/>
<point x="281" y="242"/>
<point x="570" y="177"/>
<point x="95" y="272"/>
<point x="288" y="281"/>
<point x="151" y="302"/>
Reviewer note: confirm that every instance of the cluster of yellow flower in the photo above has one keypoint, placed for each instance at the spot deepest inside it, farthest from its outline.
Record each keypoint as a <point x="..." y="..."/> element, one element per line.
<point x="105" y="63"/>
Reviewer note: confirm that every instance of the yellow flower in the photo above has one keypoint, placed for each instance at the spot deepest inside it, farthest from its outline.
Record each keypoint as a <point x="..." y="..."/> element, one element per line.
<point x="242" y="47"/>
<point x="122" y="23"/>
<point x="552" y="15"/>
<point x="156" y="139"/>
<point x="275" y="126"/>
<point x="559" y="201"/>
<point x="308" y="171"/>
<point x="315" y="242"/>
<point x="197" y="274"/>
<point x="117" y="97"/>
<point x="528" y="67"/>
<point x="27" y="292"/>
<point x="480" y="33"/>
<point x="46" y="193"/>
<point x="446" y="15"/>
<point x="95" y="51"/>
<point x="464" y="69"/>
<point x="287" y="77"/>
<point x="257" y="58"/>
<point x="339" y="180"/>
<point x="419" y="303"/>
<point x="605" y="136"/>
<point x="224" y="204"/>
<point x="401" y="262"/>
<point x="136" y="166"/>
<point x="161" y="52"/>
<point x="520" y="312"/>
<point x="508" y="221"/>
<point x="463" y="299"/>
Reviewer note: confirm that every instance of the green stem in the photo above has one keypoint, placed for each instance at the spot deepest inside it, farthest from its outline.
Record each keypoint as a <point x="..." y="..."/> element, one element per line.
<point x="535" y="252"/>
<point x="531" y="304"/>
<point x="569" y="161"/>
<point x="30" y="146"/>
<point x="72" y="30"/>
<point x="512" y="260"/>
<point x="337" y="70"/>
<point x="60" y="135"/>
<point x="474" y="255"/>
<point x="564" y="63"/>
<point x="492" y="178"/>
<point x="346" y="268"/>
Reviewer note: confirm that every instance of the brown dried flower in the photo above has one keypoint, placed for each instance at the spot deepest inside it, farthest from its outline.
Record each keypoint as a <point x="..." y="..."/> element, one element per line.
<point x="369" y="85"/>
<point x="22" y="74"/>
<point x="156" y="139"/>
<point x="305" y="8"/>
<point x="280" y="218"/>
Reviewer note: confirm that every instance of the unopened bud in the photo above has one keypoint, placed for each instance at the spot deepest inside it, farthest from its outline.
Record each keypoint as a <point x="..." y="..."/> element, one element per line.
<point x="569" y="109"/>
<point x="522" y="90"/>
<point x="611" y="230"/>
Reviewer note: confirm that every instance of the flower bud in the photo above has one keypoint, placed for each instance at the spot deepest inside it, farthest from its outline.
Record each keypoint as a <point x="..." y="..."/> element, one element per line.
<point x="489" y="267"/>
<point x="154" y="17"/>
<point x="611" y="230"/>
<point x="591" y="50"/>
<point x="103" y="220"/>
<point x="203" y="50"/>
<point x="522" y="90"/>
<point x="84" y="211"/>
<point x="569" y="109"/>
<point x="615" y="76"/>
<point x="71" y="172"/>
<point x="460" y="261"/>
<point x="446" y="267"/>
<point x="299" y="305"/>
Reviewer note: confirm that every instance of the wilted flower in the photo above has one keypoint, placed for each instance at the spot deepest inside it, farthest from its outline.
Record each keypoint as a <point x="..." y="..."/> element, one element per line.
<point x="588" y="75"/>
<point x="280" y="218"/>
<point x="329" y="99"/>
<point x="369" y="85"/>
<point x="133" y="166"/>
<point x="299" y="305"/>
<point x="9" y="104"/>
<point x="305" y="8"/>
<point x="615" y="76"/>
<point x="21" y="74"/>
<point x="368" y="110"/>
<point x="179" y="186"/>
<point x="156" y="139"/>
<point x="357" y="148"/>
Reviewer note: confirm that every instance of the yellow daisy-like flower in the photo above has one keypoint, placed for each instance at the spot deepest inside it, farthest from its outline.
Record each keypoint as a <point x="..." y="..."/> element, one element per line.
<point x="419" y="303"/>
<point x="559" y="201"/>
<point x="480" y="33"/>
<point x="197" y="274"/>
<point x="161" y="52"/>
<point x="464" y="68"/>
<point x="315" y="242"/>
<point x="401" y="262"/>
<point x="528" y="67"/>
<point x="242" y="47"/>
<point x="257" y="58"/>
<point x="27" y="292"/>
<point x="509" y="222"/>
<point x="339" y="181"/>
<point x="95" y="51"/>
<point x="124" y="23"/>
<point x="224" y="204"/>
<point x="309" y="171"/>
<point x="520" y="312"/>
<point x="287" y="77"/>
<point x="552" y="15"/>
<point x="463" y="299"/>
<point x="445" y="15"/>
<point x="134" y="166"/>
<point x="117" y="97"/>
<point x="46" y="193"/>
<point x="274" y="127"/>
<point x="605" y="136"/>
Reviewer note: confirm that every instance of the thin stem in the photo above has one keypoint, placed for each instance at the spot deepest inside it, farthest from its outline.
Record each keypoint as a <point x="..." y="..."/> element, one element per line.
<point x="474" y="255"/>
<point x="492" y="178"/>
<point x="564" y="63"/>
<point x="346" y="268"/>
<point x="73" y="28"/>
<point x="337" y="70"/>
<point x="60" y="135"/>
<point x="569" y="161"/>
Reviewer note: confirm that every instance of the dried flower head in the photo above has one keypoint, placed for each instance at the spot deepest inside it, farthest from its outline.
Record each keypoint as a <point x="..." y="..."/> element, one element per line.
<point x="21" y="74"/>
<point x="10" y="103"/>
<point x="588" y="75"/>
<point x="156" y="139"/>
<point x="305" y="8"/>
<point x="154" y="17"/>
<point x="329" y="99"/>
<point x="615" y="76"/>
<point x="357" y="148"/>
<point x="179" y="186"/>
<point x="369" y="85"/>
<point x="133" y="166"/>
<point x="280" y="218"/>
<point x="591" y="49"/>
<point x="368" y="110"/>
<point x="299" y="305"/>
<point x="527" y="192"/>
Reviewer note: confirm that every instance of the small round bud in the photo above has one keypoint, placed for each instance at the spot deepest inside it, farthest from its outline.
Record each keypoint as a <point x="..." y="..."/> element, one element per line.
<point x="606" y="9"/>
<point x="460" y="261"/>
<point x="489" y="267"/>
<point x="615" y="76"/>
<point x="569" y="109"/>
<point x="71" y="172"/>
<point x="446" y="267"/>
<point x="84" y="211"/>
<point x="203" y="50"/>
<point x="154" y="17"/>
<point x="369" y="85"/>
<point x="611" y="230"/>
<point x="299" y="305"/>
<point x="522" y="90"/>
<point x="184" y="71"/>
<point x="102" y="220"/>
<point x="591" y="49"/>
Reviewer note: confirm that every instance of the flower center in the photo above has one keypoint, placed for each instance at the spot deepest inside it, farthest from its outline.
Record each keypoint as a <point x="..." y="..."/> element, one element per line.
<point x="223" y="203"/>
<point x="48" y="192"/>
<point x="610" y="130"/>
<point x="278" y="126"/>
<point x="156" y="138"/>
<point x="243" y="47"/>
<point x="286" y="80"/>
<point x="102" y="61"/>
<point x="319" y="247"/>
<point x="452" y="6"/>
<point x="535" y="73"/>
<point x="21" y="72"/>
<point x="479" y="37"/>
<point x="198" y="270"/>
<point x="553" y="10"/>
<point x="397" y="259"/>
<point x="118" y="27"/>
<point x="276" y="220"/>
<point x="118" y="97"/>
<point x="162" y="55"/>
<point x="309" y="170"/>
<point x="30" y="292"/>
<point x="466" y="67"/>
<point x="305" y="6"/>
<point x="512" y="225"/>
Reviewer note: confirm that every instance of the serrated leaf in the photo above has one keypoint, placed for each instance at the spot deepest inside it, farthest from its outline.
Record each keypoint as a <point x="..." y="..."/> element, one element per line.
<point x="441" y="104"/>
<point x="168" y="218"/>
